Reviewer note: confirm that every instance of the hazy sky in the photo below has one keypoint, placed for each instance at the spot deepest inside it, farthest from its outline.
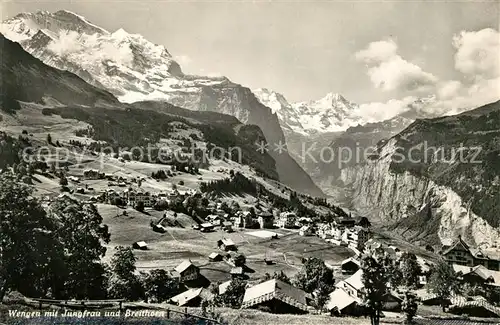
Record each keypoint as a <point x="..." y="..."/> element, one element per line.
<point x="301" y="49"/>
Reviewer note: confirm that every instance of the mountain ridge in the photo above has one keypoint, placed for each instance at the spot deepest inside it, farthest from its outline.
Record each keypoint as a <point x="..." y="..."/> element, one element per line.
<point x="134" y="69"/>
<point x="49" y="91"/>
<point x="460" y="196"/>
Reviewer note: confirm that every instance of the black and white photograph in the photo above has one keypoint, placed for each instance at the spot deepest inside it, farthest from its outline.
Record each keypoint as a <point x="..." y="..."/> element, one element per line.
<point x="250" y="162"/>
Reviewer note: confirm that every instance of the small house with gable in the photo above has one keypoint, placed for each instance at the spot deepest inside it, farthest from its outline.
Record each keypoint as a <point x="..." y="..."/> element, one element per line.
<point x="277" y="297"/>
<point x="187" y="271"/>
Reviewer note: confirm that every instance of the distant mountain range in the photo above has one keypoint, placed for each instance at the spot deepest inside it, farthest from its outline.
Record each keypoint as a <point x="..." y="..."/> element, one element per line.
<point x="428" y="201"/>
<point x="333" y="123"/>
<point x="28" y="82"/>
<point x="134" y="69"/>
<point x="332" y="113"/>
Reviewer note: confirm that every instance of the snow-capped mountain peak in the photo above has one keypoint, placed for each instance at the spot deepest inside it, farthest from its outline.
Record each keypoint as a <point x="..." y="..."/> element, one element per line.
<point x="25" y="25"/>
<point x="332" y="98"/>
<point x="135" y="69"/>
<point x="127" y="64"/>
<point x="330" y="113"/>
<point x="274" y="100"/>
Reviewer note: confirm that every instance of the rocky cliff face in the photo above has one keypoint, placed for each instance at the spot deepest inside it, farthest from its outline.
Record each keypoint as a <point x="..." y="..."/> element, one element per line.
<point x="434" y="201"/>
<point x="392" y="197"/>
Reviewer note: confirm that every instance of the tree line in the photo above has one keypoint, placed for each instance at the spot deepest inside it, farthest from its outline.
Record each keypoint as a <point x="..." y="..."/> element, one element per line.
<point x="56" y="253"/>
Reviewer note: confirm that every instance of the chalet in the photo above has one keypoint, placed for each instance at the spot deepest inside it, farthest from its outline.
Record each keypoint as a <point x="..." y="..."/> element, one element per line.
<point x="139" y="196"/>
<point x="214" y="219"/>
<point x="226" y="244"/>
<point x="479" y="275"/>
<point x="159" y="228"/>
<point x="429" y="299"/>
<point x="92" y="174"/>
<point x="350" y="266"/>
<point x="244" y="219"/>
<point x="286" y="220"/>
<point x="206" y="227"/>
<point x="227" y="226"/>
<point x="186" y="271"/>
<point x="306" y="231"/>
<point x="189" y="298"/>
<point x="237" y="272"/>
<point x="341" y="303"/>
<point x="277" y="297"/>
<point x="392" y="302"/>
<point x="111" y="196"/>
<point x="215" y="257"/>
<point x="462" y="254"/>
<point x="353" y="285"/>
<point x="140" y="245"/>
<point x="175" y="196"/>
<point x="266" y="220"/>
<point x="302" y="221"/>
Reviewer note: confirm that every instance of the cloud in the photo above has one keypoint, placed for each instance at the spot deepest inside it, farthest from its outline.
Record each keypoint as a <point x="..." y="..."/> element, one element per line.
<point x="449" y="89"/>
<point x="67" y="43"/>
<point x="389" y="71"/>
<point x="378" y="51"/>
<point x="478" y="53"/>
<point x="183" y="60"/>
<point x="380" y="111"/>
<point x="81" y="47"/>
<point x="476" y="58"/>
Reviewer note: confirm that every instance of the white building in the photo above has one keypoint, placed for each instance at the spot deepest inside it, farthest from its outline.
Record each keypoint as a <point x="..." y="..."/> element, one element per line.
<point x="286" y="220"/>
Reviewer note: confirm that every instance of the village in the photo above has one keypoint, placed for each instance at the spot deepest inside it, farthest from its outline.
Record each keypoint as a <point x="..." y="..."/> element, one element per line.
<point x="247" y="239"/>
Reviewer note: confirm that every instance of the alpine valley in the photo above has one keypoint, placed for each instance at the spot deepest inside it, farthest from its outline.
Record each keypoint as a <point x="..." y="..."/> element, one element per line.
<point x="429" y="203"/>
<point x="134" y="69"/>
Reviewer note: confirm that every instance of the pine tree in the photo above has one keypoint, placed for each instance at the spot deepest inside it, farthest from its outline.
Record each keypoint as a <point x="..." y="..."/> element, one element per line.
<point x="443" y="282"/>
<point x="410" y="270"/>
<point x="63" y="181"/>
<point x="376" y="267"/>
<point x="409" y="306"/>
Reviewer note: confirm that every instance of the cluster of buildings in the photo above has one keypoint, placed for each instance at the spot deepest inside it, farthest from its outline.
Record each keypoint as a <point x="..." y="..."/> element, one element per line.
<point x="346" y="232"/>
<point x="131" y="196"/>
<point x="275" y="295"/>
<point x="460" y="253"/>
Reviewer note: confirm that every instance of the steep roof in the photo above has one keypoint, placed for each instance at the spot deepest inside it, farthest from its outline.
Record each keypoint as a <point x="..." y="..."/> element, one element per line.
<point x="141" y="244"/>
<point x="480" y="271"/>
<point x="351" y="260"/>
<point x="275" y="289"/>
<point x="265" y="214"/>
<point x="356" y="280"/>
<point x="340" y="299"/>
<point x="183" y="266"/>
<point x="227" y="242"/>
<point x="223" y="287"/>
<point x="206" y="225"/>
<point x="214" y="255"/>
<point x="184" y="297"/>
<point x="459" y="242"/>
